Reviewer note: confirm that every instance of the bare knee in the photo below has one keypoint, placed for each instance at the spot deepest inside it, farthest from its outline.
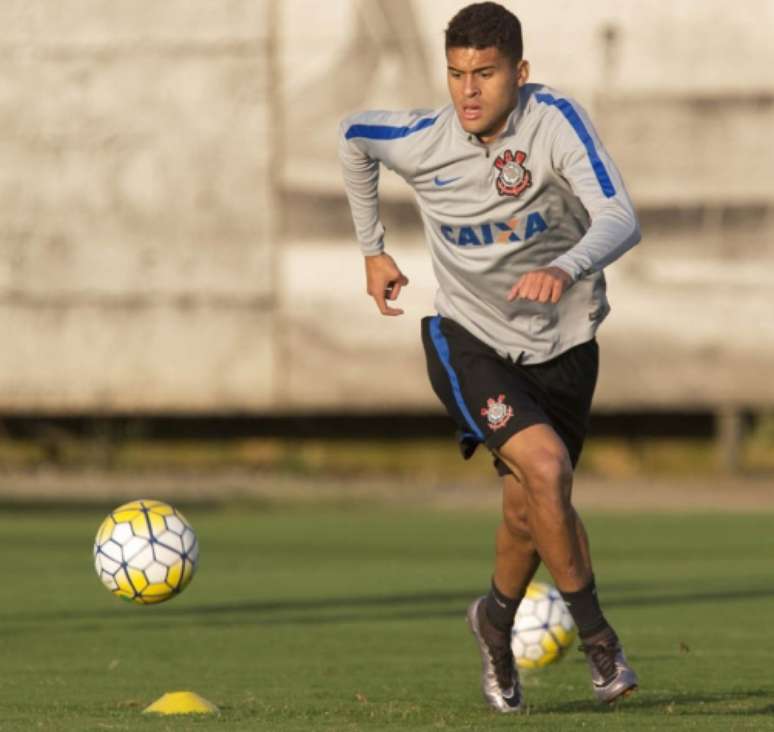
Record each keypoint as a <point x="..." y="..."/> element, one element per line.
<point x="549" y="468"/>
<point x="548" y="478"/>
<point x="541" y="464"/>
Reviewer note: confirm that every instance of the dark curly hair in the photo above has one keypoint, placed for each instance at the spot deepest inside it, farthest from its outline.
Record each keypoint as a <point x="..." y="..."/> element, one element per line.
<point x="482" y="25"/>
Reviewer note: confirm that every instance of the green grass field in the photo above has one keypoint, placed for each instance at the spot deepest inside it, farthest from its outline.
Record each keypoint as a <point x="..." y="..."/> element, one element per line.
<point x="348" y="619"/>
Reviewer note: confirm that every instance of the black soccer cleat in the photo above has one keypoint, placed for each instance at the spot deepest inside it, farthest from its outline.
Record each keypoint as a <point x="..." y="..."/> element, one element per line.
<point x="499" y="677"/>
<point x="611" y="675"/>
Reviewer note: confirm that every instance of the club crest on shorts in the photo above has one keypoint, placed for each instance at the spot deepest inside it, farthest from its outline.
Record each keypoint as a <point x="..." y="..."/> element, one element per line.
<point x="497" y="412"/>
<point x="514" y="178"/>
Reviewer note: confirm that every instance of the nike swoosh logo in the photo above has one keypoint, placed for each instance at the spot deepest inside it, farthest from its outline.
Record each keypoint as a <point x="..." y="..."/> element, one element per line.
<point x="441" y="183"/>
<point x="501" y="604"/>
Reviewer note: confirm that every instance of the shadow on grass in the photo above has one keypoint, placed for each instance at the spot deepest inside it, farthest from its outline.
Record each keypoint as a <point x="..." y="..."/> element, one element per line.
<point x="691" y="598"/>
<point x="348" y="609"/>
<point x="674" y="704"/>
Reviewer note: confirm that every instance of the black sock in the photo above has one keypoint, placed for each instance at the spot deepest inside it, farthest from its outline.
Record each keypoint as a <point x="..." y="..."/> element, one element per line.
<point x="584" y="608"/>
<point x="500" y="609"/>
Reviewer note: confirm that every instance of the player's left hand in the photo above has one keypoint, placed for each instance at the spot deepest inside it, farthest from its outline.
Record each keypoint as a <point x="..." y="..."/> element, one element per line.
<point x="541" y="285"/>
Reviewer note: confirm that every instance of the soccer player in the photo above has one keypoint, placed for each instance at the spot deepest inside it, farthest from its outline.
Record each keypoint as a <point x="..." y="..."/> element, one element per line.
<point x="522" y="209"/>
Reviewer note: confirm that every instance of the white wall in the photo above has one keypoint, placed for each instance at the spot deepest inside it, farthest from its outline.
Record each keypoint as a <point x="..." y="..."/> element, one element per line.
<point x="136" y="214"/>
<point x="141" y="145"/>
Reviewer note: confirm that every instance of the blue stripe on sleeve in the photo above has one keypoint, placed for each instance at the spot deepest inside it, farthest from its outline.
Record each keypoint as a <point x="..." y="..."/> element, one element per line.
<point x="442" y="348"/>
<point x="386" y="132"/>
<point x="574" y="119"/>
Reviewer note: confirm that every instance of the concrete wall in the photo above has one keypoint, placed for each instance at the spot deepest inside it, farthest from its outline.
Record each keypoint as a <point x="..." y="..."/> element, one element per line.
<point x="136" y="205"/>
<point x="147" y="264"/>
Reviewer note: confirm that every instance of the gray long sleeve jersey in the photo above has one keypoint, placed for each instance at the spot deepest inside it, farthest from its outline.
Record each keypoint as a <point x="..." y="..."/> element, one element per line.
<point x="544" y="193"/>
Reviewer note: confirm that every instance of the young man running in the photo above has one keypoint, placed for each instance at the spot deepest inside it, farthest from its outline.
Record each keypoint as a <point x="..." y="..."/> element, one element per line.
<point x="522" y="208"/>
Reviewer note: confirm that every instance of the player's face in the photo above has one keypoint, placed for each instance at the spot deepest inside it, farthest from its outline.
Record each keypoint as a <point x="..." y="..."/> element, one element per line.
<point x="484" y="86"/>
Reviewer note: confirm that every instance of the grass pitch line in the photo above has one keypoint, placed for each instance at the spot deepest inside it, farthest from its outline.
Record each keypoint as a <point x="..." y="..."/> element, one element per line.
<point x="181" y="702"/>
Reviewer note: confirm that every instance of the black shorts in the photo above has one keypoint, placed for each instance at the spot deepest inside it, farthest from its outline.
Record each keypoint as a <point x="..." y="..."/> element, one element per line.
<point x="491" y="398"/>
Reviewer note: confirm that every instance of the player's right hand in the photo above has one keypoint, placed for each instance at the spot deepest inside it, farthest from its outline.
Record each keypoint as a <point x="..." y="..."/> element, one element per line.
<point x="384" y="282"/>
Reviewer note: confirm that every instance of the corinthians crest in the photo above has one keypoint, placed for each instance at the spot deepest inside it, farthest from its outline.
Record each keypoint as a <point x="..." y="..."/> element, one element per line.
<point x="497" y="412"/>
<point x="514" y="178"/>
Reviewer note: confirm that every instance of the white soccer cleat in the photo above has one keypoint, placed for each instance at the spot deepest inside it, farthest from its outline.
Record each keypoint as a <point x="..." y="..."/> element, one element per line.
<point x="499" y="677"/>
<point x="611" y="675"/>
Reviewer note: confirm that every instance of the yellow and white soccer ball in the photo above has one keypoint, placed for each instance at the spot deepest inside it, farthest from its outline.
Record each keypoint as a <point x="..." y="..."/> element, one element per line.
<point x="145" y="551"/>
<point x="543" y="628"/>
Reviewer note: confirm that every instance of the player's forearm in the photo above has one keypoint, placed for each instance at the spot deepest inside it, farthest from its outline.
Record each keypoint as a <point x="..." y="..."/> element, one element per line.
<point x="362" y="187"/>
<point x="361" y="182"/>
<point x="612" y="233"/>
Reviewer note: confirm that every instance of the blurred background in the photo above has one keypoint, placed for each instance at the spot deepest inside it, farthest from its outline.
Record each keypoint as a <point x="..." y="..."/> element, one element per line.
<point x="180" y="289"/>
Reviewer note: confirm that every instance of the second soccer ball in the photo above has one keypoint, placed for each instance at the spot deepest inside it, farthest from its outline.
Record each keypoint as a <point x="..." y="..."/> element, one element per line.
<point x="543" y="628"/>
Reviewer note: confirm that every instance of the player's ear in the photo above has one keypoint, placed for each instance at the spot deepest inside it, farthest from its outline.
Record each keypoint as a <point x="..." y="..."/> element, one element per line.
<point x="522" y="72"/>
